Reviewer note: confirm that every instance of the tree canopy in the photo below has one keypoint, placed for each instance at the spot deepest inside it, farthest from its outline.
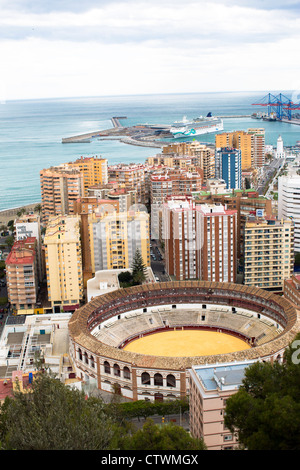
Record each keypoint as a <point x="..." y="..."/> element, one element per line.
<point x="265" y="412"/>
<point x="139" y="270"/>
<point x="52" y="416"/>
<point x="155" y="437"/>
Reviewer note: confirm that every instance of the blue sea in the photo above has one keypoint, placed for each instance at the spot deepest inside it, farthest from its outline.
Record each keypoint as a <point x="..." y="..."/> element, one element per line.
<point x="31" y="131"/>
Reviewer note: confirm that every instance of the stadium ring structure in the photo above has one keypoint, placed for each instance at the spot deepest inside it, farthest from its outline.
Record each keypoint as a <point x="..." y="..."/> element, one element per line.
<point x="99" y="330"/>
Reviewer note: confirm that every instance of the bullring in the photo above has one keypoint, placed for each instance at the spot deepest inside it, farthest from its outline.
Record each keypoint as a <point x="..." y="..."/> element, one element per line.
<point x="99" y="330"/>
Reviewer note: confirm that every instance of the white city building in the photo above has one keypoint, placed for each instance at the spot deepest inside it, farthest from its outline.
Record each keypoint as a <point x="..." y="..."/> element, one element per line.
<point x="289" y="202"/>
<point x="279" y="149"/>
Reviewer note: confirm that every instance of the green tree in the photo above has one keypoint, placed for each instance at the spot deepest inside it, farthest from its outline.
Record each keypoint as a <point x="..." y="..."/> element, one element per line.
<point x="139" y="270"/>
<point x="265" y="412"/>
<point x="10" y="240"/>
<point x="247" y="183"/>
<point x="52" y="416"/>
<point x="21" y="211"/>
<point x="38" y="208"/>
<point x="156" y="437"/>
<point x="125" y="279"/>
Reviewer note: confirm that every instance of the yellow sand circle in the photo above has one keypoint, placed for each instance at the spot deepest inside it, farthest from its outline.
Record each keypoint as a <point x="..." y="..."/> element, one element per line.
<point x="186" y="343"/>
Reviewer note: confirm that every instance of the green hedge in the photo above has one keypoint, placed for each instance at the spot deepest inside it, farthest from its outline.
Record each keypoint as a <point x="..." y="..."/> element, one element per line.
<point x="144" y="409"/>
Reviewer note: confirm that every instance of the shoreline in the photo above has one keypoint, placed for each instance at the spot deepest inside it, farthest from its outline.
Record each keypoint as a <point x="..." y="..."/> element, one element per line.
<point x="8" y="214"/>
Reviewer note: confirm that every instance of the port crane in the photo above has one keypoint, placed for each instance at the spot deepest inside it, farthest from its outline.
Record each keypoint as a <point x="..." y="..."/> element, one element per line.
<point x="279" y="105"/>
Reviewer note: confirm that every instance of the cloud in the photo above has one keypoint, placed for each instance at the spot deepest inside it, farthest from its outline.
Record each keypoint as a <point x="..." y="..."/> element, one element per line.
<point x="139" y="21"/>
<point x="64" y="48"/>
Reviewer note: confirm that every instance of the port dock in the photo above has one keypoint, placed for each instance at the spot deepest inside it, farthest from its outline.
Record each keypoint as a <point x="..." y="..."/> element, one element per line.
<point x="142" y="135"/>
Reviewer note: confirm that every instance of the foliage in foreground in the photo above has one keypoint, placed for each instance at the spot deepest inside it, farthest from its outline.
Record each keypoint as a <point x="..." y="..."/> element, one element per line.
<point x="53" y="416"/>
<point x="157" y="437"/>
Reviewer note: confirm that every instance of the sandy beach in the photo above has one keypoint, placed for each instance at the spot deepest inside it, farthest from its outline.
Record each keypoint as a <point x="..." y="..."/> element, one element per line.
<point x="11" y="214"/>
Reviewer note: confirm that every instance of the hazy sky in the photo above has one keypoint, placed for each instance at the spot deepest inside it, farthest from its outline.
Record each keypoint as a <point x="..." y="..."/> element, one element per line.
<point x="66" y="48"/>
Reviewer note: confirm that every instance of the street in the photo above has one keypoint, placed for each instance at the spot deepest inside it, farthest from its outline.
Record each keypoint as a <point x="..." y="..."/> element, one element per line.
<point x="157" y="262"/>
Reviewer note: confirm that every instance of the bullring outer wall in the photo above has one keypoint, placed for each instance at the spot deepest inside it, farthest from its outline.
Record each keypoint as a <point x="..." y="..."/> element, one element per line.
<point x="93" y="359"/>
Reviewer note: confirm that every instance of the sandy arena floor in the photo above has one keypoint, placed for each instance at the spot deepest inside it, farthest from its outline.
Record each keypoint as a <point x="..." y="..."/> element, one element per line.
<point x="182" y="343"/>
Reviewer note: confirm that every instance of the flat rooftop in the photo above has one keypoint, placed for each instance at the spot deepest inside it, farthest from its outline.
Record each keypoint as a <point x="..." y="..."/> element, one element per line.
<point x="221" y="376"/>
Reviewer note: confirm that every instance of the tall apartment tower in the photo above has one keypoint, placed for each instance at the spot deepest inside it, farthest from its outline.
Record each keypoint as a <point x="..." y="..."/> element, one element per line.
<point x="22" y="274"/>
<point x="131" y="176"/>
<point x="63" y="262"/>
<point x="269" y="253"/>
<point x="94" y="171"/>
<point x="115" y="237"/>
<point x="166" y="183"/>
<point x="258" y="147"/>
<point x="179" y="221"/>
<point x="217" y="238"/>
<point x="200" y="241"/>
<point x="60" y="187"/>
<point x="229" y="167"/>
<point x="27" y="226"/>
<point x="202" y="156"/>
<point x="251" y="144"/>
<point x="289" y="202"/>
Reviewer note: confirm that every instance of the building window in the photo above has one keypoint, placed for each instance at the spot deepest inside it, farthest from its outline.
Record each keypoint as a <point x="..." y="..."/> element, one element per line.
<point x="80" y="354"/>
<point x="158" y="379"/>
<point x="145" y="378"/>
<point x="126" y="373"/>
<point x="106" y="367"/>
<point x="171" y="382"/>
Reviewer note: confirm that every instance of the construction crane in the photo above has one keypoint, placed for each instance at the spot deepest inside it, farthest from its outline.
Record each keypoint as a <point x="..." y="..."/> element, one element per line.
<point x="279" y="105"/>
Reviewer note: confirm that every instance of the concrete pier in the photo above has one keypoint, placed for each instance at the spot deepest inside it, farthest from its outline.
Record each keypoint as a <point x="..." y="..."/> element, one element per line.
<point x="116" y="121"/>
<point x="86" y="138"/>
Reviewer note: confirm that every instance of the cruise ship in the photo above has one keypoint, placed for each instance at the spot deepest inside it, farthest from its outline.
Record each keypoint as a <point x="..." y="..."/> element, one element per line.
<point x="198" y="126"/>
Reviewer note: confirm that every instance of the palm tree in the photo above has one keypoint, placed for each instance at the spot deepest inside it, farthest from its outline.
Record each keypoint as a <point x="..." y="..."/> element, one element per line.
<point x="38" y="208"/>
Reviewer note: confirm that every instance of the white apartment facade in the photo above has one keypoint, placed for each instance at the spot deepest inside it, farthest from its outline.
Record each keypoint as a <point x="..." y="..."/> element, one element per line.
<point x="289" y="203"/>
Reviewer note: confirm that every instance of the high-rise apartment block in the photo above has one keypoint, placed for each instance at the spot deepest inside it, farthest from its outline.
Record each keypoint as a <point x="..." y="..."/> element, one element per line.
<point x="22" y="274"/>
<point x="122" y="197"/>
<point x="63" y="262"/>
<point x="60" y="187"/>
<point x="200" y="241"/>
<point x="251" y="144"/>
<point x="179" y="219"/>
<point x="115" y="238"/>
<point x="217" y="229"/>
<point x="27" y="226"/>
<point x="93" y="169"/>
<point x="228" y="167"/>
<point x="131" y="176"/>
<point x="169" y="182"/>
<point x="246" y="203"/>
<point x="200" y="155"/>
<point x="269" y="252"/>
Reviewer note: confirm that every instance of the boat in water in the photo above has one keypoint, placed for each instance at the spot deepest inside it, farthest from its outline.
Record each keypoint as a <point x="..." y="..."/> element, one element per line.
<point x="198" y="126"/>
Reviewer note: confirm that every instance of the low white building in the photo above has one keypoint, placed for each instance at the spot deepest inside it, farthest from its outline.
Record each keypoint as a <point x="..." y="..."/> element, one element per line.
<point x="107" y="280"/>
<point x="25" y="336"/>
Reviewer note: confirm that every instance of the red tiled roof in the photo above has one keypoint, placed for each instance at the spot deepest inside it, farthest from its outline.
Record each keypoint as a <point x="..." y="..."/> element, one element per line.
<point x="6" y="388"/>
<point x="19" y="247"/>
